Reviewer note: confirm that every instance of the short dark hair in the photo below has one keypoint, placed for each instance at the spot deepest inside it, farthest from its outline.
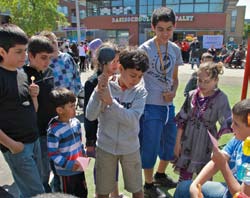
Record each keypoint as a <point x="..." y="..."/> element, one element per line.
<point x="11" y="35"/>
<point x="134" y="59"/>
<point x="242" y="109"/>
<point x="163" y="14"/>
<point x="38" y="44"/>
<point x="61" y="96"/>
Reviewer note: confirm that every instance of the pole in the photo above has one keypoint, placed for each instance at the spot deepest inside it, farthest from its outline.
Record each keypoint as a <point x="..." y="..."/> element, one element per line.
<point x="247" y="72"/>
<point x="78" y="22"/>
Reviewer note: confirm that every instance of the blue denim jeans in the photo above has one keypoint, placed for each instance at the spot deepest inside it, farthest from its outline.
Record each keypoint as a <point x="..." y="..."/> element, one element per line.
<point x="210" y="189"/>
<point x="157" y="138"/>
<point x="25" y="169"/>
<point x="45" y="165"/>
<point x="196" y="60"/>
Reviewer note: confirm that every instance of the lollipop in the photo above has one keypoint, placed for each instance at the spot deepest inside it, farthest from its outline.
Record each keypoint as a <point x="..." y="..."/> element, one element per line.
<point x="32" y="78"/>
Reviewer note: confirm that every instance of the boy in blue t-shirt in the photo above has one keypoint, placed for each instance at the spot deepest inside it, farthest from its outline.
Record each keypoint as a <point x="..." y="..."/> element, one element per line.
<point x="227" y="161"/>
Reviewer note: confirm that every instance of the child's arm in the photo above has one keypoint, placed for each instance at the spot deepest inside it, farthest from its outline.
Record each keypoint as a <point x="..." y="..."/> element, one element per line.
<point x="12" y="145"/>
<point x="170" y="95"/>
<point x="34" y="92"/>
<point x="221" y="160"/>
<point x="93" y="108"/>
<point x="206" y="173"/>
<point x="177" y="148"/>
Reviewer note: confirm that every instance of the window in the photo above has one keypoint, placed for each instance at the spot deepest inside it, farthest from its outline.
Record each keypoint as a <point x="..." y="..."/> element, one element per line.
<point x="216" y="1"/>
<point x="116" y="3"/>
<point x="186" y="1"/>
<point x="143" y="10"/>
<point x="175" y="8"/>
<point x="201" y="1"/>
<point x="186" y="8"/>
<point x="233" y="20"/>
<point x="201" y="7"/>
<point x="216" y="7"/>
<point x="172" y="2"/>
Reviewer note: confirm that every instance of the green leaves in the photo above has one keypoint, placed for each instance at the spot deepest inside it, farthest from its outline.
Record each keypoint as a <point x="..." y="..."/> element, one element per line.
<point x="34" y="16"/>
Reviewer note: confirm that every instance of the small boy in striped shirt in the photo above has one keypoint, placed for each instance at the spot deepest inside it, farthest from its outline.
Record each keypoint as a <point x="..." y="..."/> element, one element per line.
<point x="65" y="143"/>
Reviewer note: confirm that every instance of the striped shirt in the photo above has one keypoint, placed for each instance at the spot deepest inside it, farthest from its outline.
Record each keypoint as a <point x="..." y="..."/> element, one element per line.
<point x="64" y="144"/>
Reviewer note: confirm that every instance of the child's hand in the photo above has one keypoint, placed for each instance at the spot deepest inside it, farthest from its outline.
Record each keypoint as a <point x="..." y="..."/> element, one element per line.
<point x="90" y="150"/>
<point x="105" y="96"/>
<point x="195" y="191"/>
<point x="177" y="149"/>
<point x="17" y="147"/>
<point x="76" y="166"/>
<point x="102" y="81"/>
<point x="168" y="96"/>
<point x="219" y="158"/>
<point x="34" y="90"/>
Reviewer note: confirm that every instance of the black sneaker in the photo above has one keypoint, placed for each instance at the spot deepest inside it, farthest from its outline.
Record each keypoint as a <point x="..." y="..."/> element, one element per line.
<point x="164" y="181"/>
<point x="153" y="192"/>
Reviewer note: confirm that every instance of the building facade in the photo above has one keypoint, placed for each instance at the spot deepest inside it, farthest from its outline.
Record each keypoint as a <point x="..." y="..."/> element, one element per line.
<point x="128" y="21"/>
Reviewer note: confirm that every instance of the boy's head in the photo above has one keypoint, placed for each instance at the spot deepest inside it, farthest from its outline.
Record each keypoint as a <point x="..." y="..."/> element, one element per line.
<point x="241" y="119"/>
<point x="64" y="102"/>
<point x="40" y="51"/>
<point x="13" y="41"/>
<point x="133" y="63"/>
<point x="52" y="37"/>
<point x="163" y="23"/>
<point x="206" y="57"/>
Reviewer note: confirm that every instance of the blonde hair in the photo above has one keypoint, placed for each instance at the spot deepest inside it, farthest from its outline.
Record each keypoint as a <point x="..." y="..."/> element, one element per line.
<point x="212" y="69"/>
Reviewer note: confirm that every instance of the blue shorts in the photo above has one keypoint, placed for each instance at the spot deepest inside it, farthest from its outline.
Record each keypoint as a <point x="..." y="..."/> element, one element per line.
<point x="157" y="138"/>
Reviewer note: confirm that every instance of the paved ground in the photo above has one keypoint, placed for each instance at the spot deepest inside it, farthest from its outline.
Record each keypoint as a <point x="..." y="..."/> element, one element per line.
<point x="230" y="76"/>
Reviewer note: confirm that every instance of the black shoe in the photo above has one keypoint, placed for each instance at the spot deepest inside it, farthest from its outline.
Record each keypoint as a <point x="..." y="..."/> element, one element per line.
<point x="164" y="181"/>
<point x="153" y="192"/>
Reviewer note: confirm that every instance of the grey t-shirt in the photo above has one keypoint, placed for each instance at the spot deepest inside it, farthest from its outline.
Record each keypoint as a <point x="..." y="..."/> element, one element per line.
<point x="155" y="79"/>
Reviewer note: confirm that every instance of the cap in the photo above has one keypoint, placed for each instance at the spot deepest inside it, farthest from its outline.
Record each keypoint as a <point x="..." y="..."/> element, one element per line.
<point x="93" y="45"/>
<point x="105" y="55"/>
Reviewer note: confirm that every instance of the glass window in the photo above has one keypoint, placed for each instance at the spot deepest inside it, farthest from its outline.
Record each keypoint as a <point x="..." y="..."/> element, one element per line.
<point x="172" y="2"/>
<point x="116" y="3"/>
<point x="143" y="10"/>
<point x="175" y="8"/>
<point x="233" y="20"/>
<point x="216" y="1"/>
<point x="129" y="2"/>
<point x="201" y="1"/>
<point x="186" y="8"/>
<point x="216" y="7"/>
<point x="186" y="1"/>
<point x="150" y="8"/>
<point x="201" y="7"/>
<point x="129" y="10"/>
<point x="143" y="2"/>
<point x="158" y="2"/>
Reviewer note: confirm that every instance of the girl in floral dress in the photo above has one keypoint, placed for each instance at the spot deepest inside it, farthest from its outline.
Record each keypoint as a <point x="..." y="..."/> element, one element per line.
<point x="202" y="109"/>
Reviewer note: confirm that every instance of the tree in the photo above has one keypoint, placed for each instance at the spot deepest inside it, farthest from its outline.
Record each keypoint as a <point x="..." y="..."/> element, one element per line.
<point x="34" y="16"/>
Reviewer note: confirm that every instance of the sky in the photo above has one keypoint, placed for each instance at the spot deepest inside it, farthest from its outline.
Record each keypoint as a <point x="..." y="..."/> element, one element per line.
<point x="247" y="4"/>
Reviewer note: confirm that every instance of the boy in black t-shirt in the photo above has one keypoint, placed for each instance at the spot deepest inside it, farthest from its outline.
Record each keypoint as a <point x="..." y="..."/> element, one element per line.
<point x="18" y="128"/>
<point x="40" y="52"/>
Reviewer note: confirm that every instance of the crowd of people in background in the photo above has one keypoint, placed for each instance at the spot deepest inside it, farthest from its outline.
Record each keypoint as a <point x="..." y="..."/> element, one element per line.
<point x="232" y="56"/>
<point x="129" y="115"/>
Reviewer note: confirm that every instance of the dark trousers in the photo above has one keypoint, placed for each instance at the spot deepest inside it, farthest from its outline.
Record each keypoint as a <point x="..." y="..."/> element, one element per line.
<point x="75" y="185"/>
